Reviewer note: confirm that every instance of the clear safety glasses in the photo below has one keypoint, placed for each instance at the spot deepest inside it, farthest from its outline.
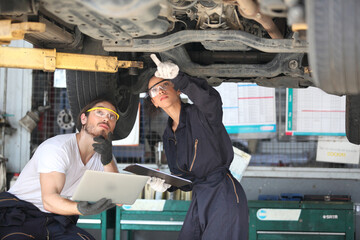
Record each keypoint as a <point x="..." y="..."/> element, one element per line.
<point x="105" y="112"/>
<point x="163" y="85"/>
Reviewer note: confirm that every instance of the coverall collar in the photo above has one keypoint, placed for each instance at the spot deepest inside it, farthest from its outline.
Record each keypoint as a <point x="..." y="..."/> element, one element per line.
<point x="182" y="119"/>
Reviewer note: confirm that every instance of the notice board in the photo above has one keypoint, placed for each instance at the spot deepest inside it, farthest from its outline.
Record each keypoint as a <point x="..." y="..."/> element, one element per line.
<point x="338" y="150"/>
<point x="248" y="108"/>
<point x="311" y="111"/>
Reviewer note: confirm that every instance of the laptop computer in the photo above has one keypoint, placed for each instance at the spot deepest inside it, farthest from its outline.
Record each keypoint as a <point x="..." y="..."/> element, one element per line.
<point x="120" y="188"/>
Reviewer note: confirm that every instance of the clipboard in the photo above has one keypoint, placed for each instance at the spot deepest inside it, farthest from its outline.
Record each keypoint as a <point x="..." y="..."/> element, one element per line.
<point x="146" y="171"/>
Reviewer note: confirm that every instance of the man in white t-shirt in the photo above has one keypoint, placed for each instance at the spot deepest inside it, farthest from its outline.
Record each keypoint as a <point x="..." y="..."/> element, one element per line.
<point x="36" y="206"/>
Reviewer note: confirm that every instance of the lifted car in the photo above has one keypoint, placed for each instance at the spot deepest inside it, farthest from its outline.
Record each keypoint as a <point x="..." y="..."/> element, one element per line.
<point x="274" y="43"/>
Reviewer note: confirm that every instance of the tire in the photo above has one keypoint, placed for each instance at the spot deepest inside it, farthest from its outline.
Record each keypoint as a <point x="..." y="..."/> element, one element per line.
<point x="138" y="83"/>
<point x="83" y="87"/>
<point x="143" y="80"/>
<point x="334" y="45"/>
<point x="353" y="118"/>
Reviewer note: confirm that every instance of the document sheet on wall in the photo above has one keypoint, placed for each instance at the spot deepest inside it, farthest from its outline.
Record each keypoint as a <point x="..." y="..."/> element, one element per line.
<point x="311" y="111"/>
<point x="248" y="108"/>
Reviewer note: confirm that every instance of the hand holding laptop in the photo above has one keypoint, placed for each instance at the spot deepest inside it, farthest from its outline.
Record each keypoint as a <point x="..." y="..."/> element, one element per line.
<point x="87" y="208"/>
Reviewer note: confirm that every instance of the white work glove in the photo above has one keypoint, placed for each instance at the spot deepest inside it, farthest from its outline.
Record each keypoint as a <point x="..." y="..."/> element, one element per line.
<point x="158" y="184"/>
<point x="165" y="70"/>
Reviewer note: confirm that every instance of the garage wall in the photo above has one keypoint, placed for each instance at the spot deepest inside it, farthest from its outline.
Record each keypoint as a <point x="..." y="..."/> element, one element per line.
<point x="15" y="100"/>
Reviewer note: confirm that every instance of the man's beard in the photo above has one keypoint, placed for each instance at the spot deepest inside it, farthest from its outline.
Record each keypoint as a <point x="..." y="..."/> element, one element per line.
<point x="90" y="129"/>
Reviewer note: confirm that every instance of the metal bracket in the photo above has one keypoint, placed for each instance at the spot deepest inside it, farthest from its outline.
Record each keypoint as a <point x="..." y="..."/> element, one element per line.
<point x="237" y="38"/>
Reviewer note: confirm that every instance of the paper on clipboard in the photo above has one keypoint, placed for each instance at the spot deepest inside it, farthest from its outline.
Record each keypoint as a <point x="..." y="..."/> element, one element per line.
<point x="146" y="171"/>
<point x="239" y="164"/>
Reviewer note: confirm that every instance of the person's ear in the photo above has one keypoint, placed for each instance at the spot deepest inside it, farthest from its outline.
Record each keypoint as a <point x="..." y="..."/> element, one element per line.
<point x="178" y="92"/>
<point x="83" y="118"/>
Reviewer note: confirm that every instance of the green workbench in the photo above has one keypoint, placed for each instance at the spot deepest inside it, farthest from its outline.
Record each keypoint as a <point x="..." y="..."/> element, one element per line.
<point x="160" y="215"/>
<point x="101" y="221"/>
<point x="307" y="220"/>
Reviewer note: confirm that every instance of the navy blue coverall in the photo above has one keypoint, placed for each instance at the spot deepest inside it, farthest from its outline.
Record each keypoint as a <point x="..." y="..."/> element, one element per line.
<point x="200" y="150"/>
<point x="21" y="220"/>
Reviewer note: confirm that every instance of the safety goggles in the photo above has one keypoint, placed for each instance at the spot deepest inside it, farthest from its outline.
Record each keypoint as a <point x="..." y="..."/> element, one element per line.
<point x="105" y="112"/>
<point x="163" y="85"/>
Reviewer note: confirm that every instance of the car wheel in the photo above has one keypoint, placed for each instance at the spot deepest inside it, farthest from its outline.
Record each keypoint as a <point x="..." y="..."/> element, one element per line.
<point x="142" y="80"/>
<point x="352" y="118"/>
<point x="83" y="87"/>
<point x="334" y="47"/>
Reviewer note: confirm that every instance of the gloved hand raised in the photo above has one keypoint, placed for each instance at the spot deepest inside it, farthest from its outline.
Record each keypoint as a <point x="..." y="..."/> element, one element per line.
<point x="104" y="148"/>
<point x="158" y="184"/>
<point x="86" y="208"/>
<point x="165" y="70"/>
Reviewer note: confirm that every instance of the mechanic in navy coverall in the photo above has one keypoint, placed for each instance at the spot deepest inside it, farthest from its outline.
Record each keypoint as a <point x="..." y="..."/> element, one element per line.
<point x="198" y="148"/>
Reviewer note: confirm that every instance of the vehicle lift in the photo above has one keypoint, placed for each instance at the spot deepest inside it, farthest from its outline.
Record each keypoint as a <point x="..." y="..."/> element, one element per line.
<point x="48" y="59"/>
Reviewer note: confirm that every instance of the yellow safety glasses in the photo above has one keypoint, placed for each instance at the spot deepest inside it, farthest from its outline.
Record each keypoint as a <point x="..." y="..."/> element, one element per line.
<point x="99" y="111"/>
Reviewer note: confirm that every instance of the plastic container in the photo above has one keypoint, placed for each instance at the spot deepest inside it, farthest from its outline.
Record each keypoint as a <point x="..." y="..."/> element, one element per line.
<point x="13" y="179"/>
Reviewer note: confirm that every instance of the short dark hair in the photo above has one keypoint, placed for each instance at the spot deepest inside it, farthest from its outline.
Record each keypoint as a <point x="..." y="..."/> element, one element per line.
<point x="102" y="98"/>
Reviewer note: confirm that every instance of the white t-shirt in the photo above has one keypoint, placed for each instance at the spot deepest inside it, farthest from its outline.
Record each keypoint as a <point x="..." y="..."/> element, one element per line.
<point x="59" y="154"/>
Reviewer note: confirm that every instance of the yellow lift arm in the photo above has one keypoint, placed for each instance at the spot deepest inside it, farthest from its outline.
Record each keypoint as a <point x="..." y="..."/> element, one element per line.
<point x="16" y="31"/>
<point x="49" y="59"/>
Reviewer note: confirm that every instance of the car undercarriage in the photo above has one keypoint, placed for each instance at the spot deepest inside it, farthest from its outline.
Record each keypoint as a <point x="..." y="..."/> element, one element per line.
<point x="274" y="43"/>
